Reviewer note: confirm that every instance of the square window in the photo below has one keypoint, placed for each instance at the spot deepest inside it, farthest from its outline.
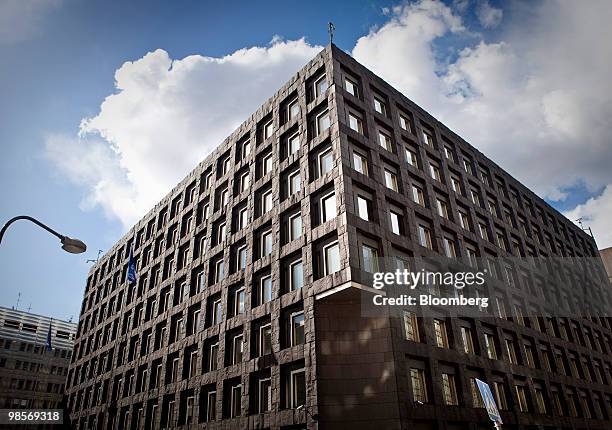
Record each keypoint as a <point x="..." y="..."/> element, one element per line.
<point x="411" y="157"/>
<point x="265" y="339"/>
<point x="268" y="129"/>
<point x="293" y="143"/>
<point x="295" y="226"/>
<point x="266" y="164"/>
<point x="266" y="243"/>
<point x="331" y="258"/>
<point x="395" y="222"/>
<point x="321" y="86"/>
<point x="362" y="208"/>
<point x="405" y="123"/>
<point x="267" y="202"/>
<point x="243" y="218"/>
<point x="265" y="289"/>
<point x="328" y="207"/>
<point x="425" y="236"/>
<point x="323" y="122"/>
<point x="370" y="259"/>
<point x="297" y="328"/>
<point x="355" y="123"/>
<point x="296" y="275"/>
<point x="242" y="257"/>
<point x="391" y="180"/>
<point x="360" y="163"/>
<point x="351" y="87"/>
<point x="245" y="181"/>
<point x="326" y="162"/>
<point x="293" y="109"/>
<point x="379" y="106"/>
<point x="295" y="182"/>
<point x="384" y="140"/>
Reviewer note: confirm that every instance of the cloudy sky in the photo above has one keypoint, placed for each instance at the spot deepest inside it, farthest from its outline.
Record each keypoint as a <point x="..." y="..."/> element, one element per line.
<point x="106" y="105"/>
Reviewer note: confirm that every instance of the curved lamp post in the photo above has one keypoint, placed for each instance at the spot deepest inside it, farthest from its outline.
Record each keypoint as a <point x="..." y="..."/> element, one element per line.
<point x="74" y="246"/>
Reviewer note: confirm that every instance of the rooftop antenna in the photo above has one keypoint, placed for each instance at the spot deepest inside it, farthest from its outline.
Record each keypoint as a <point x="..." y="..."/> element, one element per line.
<point x="29" y="307"/>
<point x="97" y="258"/>
<point x="330" y="30"/>
<point x="18" y="299"/>
<point x="585" y="229"/>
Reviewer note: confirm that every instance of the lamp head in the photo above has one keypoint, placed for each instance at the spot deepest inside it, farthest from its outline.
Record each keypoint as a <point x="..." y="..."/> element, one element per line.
<point x="74" y="246"/>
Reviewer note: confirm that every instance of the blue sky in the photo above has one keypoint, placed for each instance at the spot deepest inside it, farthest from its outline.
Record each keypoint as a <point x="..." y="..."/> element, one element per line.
<point x="59" y="59"/>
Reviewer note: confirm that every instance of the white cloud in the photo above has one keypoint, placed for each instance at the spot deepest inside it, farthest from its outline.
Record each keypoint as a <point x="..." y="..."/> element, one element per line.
<point x="538" y="102"/>
<point x="20" y="19"/>
<point x="165" y="117"/>
<point x="488" y="15"/>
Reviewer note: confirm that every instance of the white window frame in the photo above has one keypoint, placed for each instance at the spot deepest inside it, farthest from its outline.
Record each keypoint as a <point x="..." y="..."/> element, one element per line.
<point x="294" y="137"/>
<point x="291" y="187"/>
<point x="239" y="252"/>
<point x="318" y="127"/>
<point x="320" y="163"/>
<point x="364" y="163"/>
<point x="262" y="297"/>
<point x="290" y="105"/>
<point x="317" y="84"/>
<point x="291" y="220"/>
<point x="262" y="342"/>
<point x="292" y="340"/>
<point x="326" y="269"/>
<point x="264" y="199"/>
<point x="263" y="239"/>
<point x="292" y="287"/>
<point x="322" y="200"/>
<point x="268" y="129"/>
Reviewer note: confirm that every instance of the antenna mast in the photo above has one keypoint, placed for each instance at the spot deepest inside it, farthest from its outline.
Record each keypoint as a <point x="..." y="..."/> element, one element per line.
<point x="330" y="30"/>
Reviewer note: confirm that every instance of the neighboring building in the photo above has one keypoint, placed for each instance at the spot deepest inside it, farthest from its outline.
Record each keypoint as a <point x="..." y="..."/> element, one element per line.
<point x="606" y="257"/>
<point x="246" y="310"/>
<point x="32" y="377"/>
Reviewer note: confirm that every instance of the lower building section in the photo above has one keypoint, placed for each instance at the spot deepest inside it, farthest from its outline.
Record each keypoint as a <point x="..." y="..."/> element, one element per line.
<point x="327" y="366"/>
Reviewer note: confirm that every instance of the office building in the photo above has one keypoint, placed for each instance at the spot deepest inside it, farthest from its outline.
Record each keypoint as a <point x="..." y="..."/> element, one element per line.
<point x="246" y="312"/>
<point x="31" y="376"/>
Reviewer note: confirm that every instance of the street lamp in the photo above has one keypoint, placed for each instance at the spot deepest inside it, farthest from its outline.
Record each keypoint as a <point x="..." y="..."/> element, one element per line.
<point x="74" y="246"/>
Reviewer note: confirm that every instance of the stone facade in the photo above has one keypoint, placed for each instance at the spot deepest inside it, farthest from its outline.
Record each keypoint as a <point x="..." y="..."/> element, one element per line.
<point x="324" y="365"/>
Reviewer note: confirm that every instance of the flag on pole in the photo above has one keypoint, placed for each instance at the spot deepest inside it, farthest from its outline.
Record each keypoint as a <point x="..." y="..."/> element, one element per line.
<point x="131" y="272"/>
<point x="48" y="346"/>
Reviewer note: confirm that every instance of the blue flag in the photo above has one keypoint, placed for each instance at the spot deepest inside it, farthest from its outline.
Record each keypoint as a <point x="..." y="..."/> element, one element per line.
<point x="131" y="272"/>
<point x="48" y="345"/>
